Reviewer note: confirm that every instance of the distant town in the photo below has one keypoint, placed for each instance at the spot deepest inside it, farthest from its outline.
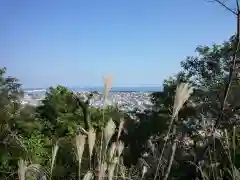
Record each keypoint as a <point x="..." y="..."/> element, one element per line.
<point x="125" y="100"/>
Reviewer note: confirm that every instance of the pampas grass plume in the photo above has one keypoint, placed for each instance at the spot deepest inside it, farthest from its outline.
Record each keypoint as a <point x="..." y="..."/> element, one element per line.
<point x="54" y="155"/>
<point x="183" y="93"/>
<point x="109" y="130"/>
<point x="91" y="140"/>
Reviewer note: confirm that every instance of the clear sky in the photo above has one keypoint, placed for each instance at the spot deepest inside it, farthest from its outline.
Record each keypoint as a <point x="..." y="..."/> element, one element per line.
<point x="75" y="42"/>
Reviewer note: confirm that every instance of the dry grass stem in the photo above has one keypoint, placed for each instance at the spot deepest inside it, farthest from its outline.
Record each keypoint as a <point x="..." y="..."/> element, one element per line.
<point x="102" y="168"/>
<point x="21" y="169"/>
<point x="120" y="128"/>
<point x="112" y="150"/>
<point x="120" y="147"/>
<point x="234" y="143"/>
<point x="183" y="93"/>
<point x="144" y="171"/>
<point x="123" y="172"/>
<point x="111" y="168"/>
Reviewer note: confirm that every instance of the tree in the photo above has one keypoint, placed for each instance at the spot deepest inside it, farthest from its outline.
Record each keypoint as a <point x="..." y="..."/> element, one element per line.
<point x="18" y="129"/>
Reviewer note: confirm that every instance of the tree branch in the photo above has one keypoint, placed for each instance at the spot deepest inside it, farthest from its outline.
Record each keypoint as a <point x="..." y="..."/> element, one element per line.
<point x="84" y="106"/>
<point x="233" y="64"/>
<point x="226" y="7"/>
<point x="232" y="68"/>
<point x="237" y="5"/>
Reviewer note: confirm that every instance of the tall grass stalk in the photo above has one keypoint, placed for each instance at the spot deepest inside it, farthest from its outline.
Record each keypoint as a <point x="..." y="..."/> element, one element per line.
<point x="80" y="143"/>
<point x="234" y="144"/>
<point x="119" y="149"/>
<point x="21" y="169"/>
<point x="54" y="155"/>
<point x="108" y="79"/>
<point x="111" y="168"/>
<point x="91" y="142"/>
<point x="229" y="155"/>
<point x="144" y="171"/>
<point x="183" y="93"/>
<point x="120" y="127"/>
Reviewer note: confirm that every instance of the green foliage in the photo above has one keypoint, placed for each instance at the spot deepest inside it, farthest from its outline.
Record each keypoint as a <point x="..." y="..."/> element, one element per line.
<point x="60" y="116"/>
<point x="11" y="144"/>
<point x="37" y="151"/>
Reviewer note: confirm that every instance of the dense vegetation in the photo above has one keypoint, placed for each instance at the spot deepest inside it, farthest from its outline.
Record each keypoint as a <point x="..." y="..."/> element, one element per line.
<point x="186" y="134"/>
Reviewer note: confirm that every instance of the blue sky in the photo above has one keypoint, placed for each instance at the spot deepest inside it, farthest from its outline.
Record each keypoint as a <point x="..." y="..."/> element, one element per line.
<point x="75" y="42"/>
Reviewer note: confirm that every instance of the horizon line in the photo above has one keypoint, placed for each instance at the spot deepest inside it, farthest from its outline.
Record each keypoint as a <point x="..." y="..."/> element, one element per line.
<point x="94" y="87"/>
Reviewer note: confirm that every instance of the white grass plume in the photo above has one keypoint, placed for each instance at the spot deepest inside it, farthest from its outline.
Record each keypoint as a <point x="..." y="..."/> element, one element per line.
<point x="80" y="143"/>
<point x="109" y="130"/>
<point x="108" y="79"/>
<point x="183" y="93"/>
<point x="91" y="140"/>
<point x="54" y="155"/>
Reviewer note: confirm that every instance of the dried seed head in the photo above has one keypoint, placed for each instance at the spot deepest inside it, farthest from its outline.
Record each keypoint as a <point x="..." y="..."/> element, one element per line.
<point x="109" y="130"/>
<point x="54" y="155"/>
<point x="108" y="80"/>
<point x="37" y="171"/>
<point x="91" y="140"/>
<point x="80" y="143"/>
<point x="183" y="93"/>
